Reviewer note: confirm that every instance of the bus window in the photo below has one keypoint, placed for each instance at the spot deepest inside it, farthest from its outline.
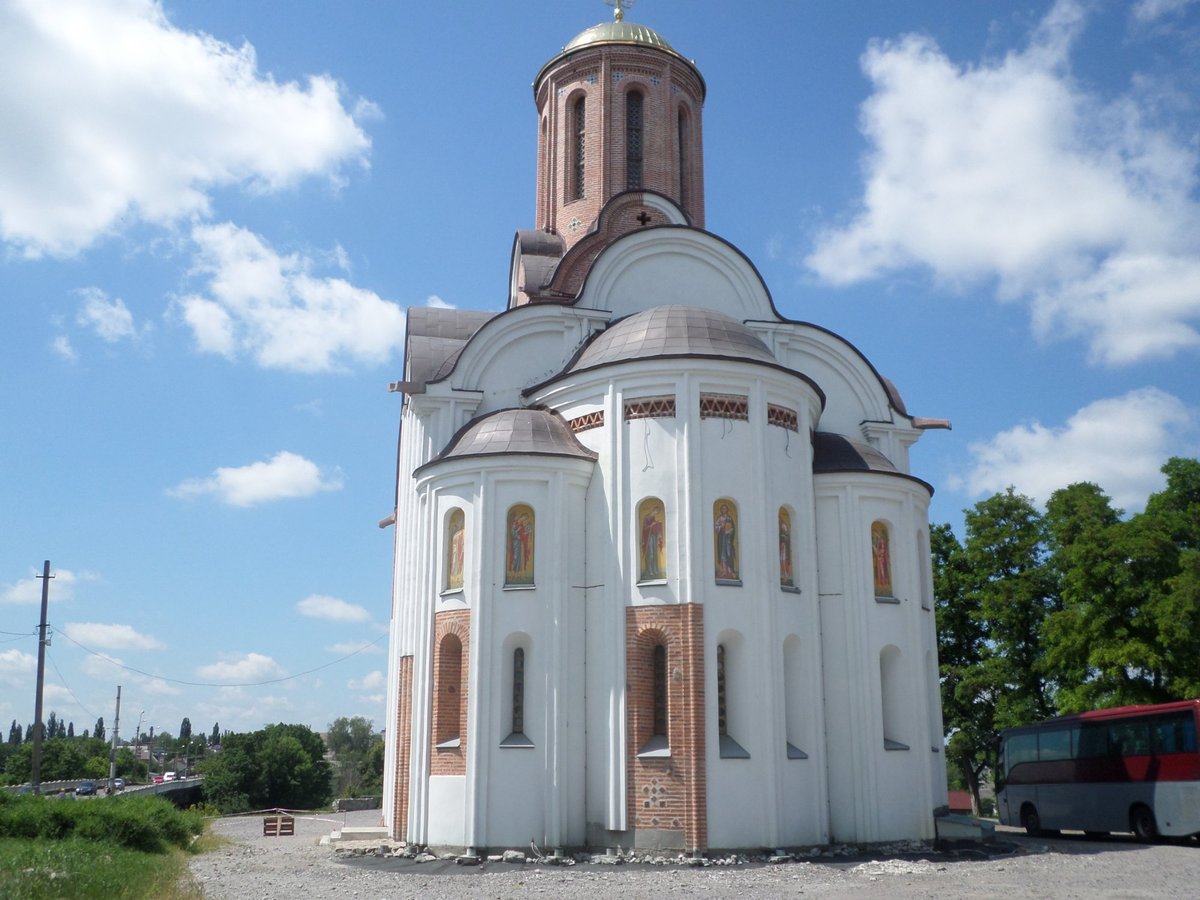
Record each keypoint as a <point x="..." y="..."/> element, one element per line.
<point x="1021" y="748"/>
<point x="1053" y="745"/>
<point x="1093" y="741"/>
<point x="1174" y="734"/>
<point x="1129" y="739"/>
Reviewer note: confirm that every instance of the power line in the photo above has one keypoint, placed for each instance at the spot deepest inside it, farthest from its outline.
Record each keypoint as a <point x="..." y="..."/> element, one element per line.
<point x="169" y="680"/>
<point x="67" y="686"/>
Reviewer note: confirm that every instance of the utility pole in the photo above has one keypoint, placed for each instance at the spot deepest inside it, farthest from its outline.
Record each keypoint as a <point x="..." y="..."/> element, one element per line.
<point x="112" y="755"/>
<point x="35" y="775"/>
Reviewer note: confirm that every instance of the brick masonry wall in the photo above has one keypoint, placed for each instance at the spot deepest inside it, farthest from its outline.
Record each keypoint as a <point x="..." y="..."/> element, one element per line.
<point x="450" y="691"/>
<point x="667" y="794"/>
<point x="603" y="74"/>
<point x="403" y="749"/>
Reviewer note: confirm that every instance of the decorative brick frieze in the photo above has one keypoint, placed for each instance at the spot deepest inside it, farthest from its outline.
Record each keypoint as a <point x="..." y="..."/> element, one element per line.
<point x="724" y="406"/>
<point x="650" y="408"/>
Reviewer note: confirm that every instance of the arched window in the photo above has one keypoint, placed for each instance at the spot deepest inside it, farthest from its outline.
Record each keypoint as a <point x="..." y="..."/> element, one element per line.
<point x="652" y="540"/>
<point x="728" y="746"/>
<point x="456" y="539"/>
<point x="633" y="140"/>
<point x="726" y="549"/>
<point x="684" y="171"/>
<point x="578" y="147"/>
<point x="891" y="695"/>
<point x="518" y="697"/>
<point x="518" y="546"/>
<point x="787" y="575"/>
<point x="881" y="559"/>
<point x="793" y="691"/>
<point x="448" y="701"/>
<point x="659" y="663"/>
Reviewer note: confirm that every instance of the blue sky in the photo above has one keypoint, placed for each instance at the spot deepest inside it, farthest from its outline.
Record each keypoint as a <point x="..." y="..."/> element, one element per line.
<point x="213" y="216"/>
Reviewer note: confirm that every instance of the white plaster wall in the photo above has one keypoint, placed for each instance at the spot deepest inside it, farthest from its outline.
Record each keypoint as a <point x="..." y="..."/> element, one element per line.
<point x="447" y="796"/>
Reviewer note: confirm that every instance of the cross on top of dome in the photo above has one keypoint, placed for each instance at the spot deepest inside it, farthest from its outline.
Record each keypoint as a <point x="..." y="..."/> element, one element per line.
<point x="619" y="7"/>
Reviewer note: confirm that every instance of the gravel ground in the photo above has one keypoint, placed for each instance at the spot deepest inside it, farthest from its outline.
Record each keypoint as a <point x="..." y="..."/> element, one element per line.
<point x="295" y="867"/>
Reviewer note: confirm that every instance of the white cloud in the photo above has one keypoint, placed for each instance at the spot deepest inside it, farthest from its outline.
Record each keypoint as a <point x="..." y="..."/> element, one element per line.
<point x="372" y="681"/>
<point x="111" y="637"/>
<point x="109" y="668"/>
<point x="318" y="606"/>
<point x="113" y="115"/>
<point x="345" y="648"/>
<point x="110" y="319"/>
<point x="247" y="668"/>
<point x="271" y="307"/>
<point x="438" y="303"/>
<point x="62" y="346"/>
<point x="29" y="590"/>
<point x="16" y="667"/>
<point x="1119" y="443"/>
<point x="283" y="475"/>
<point x="1153" y="10"/>
<point x="1008" y="171"/>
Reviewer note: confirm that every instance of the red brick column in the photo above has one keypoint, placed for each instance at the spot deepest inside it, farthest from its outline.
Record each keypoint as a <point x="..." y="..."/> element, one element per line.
<point x="403" y="749"/>
<point x="667" y="793"/>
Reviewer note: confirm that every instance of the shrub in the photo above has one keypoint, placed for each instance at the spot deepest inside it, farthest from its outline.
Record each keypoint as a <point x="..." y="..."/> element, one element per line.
<point x="150" y="824"/>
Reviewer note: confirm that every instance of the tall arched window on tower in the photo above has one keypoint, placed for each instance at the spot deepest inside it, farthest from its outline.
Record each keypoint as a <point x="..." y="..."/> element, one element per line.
<point x="578" y="147"/>
<point x="633" y="140"/>
<point x="684" y="173"/>
<point x="892" y="698"/>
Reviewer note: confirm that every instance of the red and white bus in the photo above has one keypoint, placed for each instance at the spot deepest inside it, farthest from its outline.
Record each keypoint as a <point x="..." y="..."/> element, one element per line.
<point x="1133" y="768"/>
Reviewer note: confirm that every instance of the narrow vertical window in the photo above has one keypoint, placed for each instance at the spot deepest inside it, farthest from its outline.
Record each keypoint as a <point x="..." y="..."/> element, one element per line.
<point x="448" y="711"/>
<point x="660" y="690"/>
<point x="722" y="720"/>
<point x="892" y="697"/>
<point x="518" y="695"/>
<point x="456" y="536"/>
<point x="518" y="542"/>
<point x="881" y="559"/>
<point x="633" y="141"/>
<point x="578" y="148"/>
<point x="684" y="174"/>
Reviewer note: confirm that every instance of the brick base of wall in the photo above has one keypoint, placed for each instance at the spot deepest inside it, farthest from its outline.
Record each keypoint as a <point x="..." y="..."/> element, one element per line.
<point x="403" y="749"/>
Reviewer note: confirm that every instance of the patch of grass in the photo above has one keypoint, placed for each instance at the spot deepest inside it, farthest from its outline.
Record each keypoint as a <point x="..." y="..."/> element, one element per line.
<point x="149" y="824"/>
<point x="77" y="867"/>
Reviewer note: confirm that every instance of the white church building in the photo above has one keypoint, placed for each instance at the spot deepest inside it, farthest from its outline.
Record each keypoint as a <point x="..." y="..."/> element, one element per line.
<point x="662" y="574"/>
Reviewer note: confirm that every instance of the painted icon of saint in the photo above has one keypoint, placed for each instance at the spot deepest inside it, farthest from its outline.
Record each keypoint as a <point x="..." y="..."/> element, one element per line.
<point x="786" y="579"/>
<point x="881" y="558"/>
<point x="652" y="540"/>
<point x="518" y="568"/>
<point x="456" y="539"/>
<point x="725" y="539"/>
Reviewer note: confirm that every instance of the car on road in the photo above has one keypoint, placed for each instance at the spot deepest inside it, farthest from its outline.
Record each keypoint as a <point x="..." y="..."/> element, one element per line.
<point x="85" y="789"/>
<point x="169" y="776"/>
<point x="158" y="779"/>
<point x="118" y="784"/>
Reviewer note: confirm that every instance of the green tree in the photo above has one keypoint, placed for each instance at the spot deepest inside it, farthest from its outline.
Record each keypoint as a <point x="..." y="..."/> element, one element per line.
<point x="351" y="740"/>
<point x="14" y="733"/>
<point x="279" y="766"/>
<point x="98" y="731"/>
<point x="1015" y="591"/>
<point x="185" y="729"/>
<point x="215" y="738"/>
<point x="968" y="699"/>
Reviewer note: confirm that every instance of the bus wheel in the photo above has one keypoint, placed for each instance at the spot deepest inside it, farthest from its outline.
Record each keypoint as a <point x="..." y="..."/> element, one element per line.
<point x="1141" y="822"/>
<point x="1031" y="820"/>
